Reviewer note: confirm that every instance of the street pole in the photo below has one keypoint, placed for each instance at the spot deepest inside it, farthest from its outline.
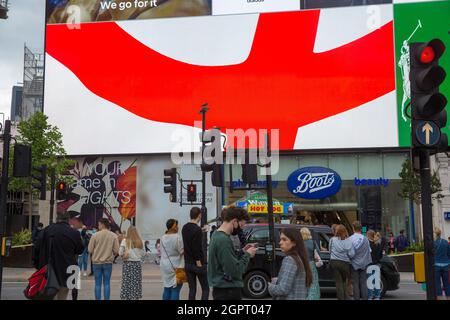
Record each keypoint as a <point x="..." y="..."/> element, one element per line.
<point x="427" y="220"/>
<point x="270" y="209"/>
<point x="203" y="209"/>
<point x="4" y="191"/>
<point x="52" y="194"/>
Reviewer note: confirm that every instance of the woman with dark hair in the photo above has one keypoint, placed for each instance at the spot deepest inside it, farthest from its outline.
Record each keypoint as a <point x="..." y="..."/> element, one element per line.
<point x="171" y="258"/>
<point x="295" y="276"/>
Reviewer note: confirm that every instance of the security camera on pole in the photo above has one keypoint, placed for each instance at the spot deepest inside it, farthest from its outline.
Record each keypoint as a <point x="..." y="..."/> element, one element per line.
<point x="428" y="117"/>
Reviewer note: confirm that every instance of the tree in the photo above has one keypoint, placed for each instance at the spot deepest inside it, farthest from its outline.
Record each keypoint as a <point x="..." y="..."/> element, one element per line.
<point x="46" y="149"/>
<point x="411" y="186"/>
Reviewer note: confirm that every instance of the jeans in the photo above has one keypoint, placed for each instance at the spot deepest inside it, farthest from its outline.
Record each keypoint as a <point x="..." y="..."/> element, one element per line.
<point x="193" y="272"/>
<point x="83" y="260"/>
<point x="359" y="281"/>
<point x="102" y="272"/>
<point x="172" y="293"/>
<point x="441" y="273"/>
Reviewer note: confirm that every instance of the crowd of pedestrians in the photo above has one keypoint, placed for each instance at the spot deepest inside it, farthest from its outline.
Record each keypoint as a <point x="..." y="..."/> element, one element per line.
<point x="182" y="257"/>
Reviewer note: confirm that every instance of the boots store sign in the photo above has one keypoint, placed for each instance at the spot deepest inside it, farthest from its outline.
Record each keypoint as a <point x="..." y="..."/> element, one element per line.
<point x="314" y="182"/>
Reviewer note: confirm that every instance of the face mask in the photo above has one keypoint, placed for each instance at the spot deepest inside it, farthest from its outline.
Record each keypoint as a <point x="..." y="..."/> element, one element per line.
<point x="236" y="230"/>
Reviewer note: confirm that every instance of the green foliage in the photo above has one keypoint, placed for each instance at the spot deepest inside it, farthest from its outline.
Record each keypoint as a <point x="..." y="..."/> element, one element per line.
<point x="46" y="148"/>
<point x="411" y="186"/>
<point x="415" y="247"/>
<point x="22" y="238"/>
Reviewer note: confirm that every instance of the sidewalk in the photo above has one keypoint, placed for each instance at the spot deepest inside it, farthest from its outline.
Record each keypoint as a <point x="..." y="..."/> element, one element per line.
<point x="150" y="271"/>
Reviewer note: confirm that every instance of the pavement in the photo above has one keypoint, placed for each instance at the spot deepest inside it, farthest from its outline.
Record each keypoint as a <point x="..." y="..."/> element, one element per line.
<point x="15" y="279"/>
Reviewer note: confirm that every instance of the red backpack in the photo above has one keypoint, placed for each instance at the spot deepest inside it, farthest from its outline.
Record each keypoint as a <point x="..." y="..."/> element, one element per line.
<point x="43" y="284"/>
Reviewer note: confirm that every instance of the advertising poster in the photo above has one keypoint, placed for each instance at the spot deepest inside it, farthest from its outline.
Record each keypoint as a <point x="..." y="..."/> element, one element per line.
<point x="79" y="11"/>
<point x="103" y="188"/>
<point x="304" y="73"/>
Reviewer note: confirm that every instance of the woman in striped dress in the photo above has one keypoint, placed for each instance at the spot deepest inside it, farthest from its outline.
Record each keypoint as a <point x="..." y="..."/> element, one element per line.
<point x="131" y="250"/>
<point x="314" y="260"/>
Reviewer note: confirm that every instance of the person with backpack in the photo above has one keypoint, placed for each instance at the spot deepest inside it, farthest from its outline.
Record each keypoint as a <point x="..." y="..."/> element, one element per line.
<point x="401" y="242"/>
<point x="58" y="247"/>
<point x="103" y="246"/>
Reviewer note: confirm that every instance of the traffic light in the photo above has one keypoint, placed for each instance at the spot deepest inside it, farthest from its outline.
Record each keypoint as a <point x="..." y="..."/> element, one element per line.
<point x="61" y="191"/>
<point x="170" y="181"/>
<point x="249" y="170"/>
<point x="41" y="178"/>
<point x="428" y="115"/>
<point x="22" y="161"/>
<point x="192" y="192"/>
<point x="212" y="156"/>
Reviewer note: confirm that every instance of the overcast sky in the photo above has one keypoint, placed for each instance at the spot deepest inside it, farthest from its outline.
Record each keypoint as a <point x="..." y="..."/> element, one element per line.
<point x="25" y="24"/>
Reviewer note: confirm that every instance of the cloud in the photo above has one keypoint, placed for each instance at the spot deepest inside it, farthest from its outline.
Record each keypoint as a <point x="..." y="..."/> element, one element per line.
<point x="25" y="24"/>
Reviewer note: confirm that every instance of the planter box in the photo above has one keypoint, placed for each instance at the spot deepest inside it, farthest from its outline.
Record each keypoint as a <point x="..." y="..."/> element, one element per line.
<point x="405" y="262"/>
<point x="20" y="257"/>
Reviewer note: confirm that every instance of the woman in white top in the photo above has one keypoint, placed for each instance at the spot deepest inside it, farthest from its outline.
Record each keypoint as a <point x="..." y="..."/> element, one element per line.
<point x="171" y="258"/>
<point x="131" y="250"/>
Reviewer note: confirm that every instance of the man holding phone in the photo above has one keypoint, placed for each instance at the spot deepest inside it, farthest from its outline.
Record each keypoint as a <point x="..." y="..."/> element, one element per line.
<point x="225" y="267"/>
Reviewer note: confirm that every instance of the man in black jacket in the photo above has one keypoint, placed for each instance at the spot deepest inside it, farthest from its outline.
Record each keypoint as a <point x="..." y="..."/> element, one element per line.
<point x="195" y="261"/>
<point x="66" y="245"/>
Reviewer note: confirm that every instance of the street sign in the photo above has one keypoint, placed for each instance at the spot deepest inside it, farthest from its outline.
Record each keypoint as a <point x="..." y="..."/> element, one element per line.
<point x="428" y="133"/>
<point x="447" y="215"/>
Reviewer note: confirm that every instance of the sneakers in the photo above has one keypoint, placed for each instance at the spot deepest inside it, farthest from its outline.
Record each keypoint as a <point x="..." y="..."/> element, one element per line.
<point x="85" y="274"/>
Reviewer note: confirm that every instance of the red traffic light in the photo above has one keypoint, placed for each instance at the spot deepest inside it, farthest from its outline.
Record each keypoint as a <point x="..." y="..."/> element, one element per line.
<point x="427" y="55"/>
<point x="191" y="188"/>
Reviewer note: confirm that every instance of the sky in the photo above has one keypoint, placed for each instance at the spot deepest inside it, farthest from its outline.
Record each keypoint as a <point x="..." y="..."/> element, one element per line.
<point x="25" y="24"/>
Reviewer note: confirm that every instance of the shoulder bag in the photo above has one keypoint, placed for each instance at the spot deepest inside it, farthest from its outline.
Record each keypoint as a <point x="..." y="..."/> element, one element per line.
<point x="180" y="273"/>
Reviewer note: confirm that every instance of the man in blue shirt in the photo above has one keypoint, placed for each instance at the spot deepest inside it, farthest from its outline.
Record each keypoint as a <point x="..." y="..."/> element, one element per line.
<point x="441" y="264"/>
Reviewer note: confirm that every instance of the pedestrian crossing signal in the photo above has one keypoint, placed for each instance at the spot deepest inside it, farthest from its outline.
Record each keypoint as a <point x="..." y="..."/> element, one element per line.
<point x="192" y="192"/>
<point x="61" y="190"/>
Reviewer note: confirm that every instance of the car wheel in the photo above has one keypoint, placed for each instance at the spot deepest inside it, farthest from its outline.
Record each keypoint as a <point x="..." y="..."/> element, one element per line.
<point x="256" y="285"/>
<point x="384" y="286"/>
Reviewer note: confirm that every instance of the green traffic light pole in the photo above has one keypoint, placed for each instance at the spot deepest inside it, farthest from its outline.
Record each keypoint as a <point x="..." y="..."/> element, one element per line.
<point x="427" y="220"/>
<point x="3" y="192"/>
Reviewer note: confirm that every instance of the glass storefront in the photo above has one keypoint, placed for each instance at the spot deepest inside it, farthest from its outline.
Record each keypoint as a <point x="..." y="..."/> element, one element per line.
<point x="376" y="203"/>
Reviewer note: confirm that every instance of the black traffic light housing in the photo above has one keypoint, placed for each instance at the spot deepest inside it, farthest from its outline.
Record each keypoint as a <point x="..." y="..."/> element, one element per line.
<point x="61" y="190"/>
<point x="22" y="161"/>
<point x="170" y="181"/>
<point x="41" y="178"/>
<point x="428" y="114"/>
<point x="191" y="192"/>
<point x="212" y="143"/>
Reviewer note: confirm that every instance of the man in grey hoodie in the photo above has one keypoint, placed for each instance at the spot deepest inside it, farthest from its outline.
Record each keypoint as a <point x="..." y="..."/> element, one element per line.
<point x="360" y="261"/>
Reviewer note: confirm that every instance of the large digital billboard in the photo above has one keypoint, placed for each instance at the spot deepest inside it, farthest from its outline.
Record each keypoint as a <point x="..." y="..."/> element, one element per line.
<point x="325" y="78"/>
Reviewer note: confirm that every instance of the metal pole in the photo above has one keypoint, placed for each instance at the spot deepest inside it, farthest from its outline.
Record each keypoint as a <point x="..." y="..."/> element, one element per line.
<point x="427" y="218"/>
<point x="4" y="191"/>
<point x="52" y="194"/>
<point x="203" y="209"/>
<point x="270" y="210"/>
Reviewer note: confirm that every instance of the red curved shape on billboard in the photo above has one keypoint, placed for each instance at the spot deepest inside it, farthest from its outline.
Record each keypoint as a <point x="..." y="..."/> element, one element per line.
<point x="283" y="83"/>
